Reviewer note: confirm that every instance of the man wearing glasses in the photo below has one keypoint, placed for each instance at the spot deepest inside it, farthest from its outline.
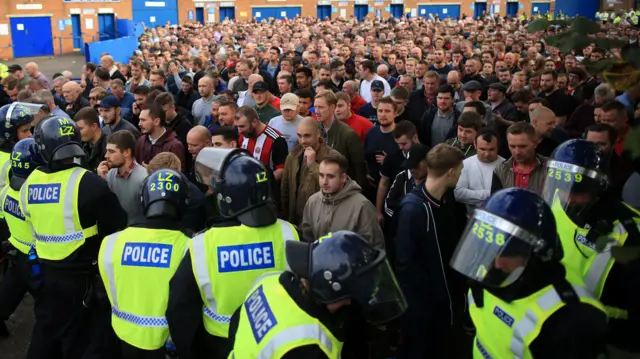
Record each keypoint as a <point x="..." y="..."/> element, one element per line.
<point x="337" y="74"/>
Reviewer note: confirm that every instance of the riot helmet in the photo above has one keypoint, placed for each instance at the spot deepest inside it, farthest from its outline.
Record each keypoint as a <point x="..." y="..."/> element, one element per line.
<point x="24" y="159"/>
<point x="16" y="117"/>
<point x="241" y="185"/>
<point x="58" y="139"/>
<point x="342" y="265"/>
<point x="513" y="230"/>
<point x="577" y="174"/>
<point x="164" y="194"/>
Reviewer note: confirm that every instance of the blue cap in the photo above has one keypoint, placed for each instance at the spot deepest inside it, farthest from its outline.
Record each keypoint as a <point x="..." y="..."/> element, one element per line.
<point x="109" y="102"/>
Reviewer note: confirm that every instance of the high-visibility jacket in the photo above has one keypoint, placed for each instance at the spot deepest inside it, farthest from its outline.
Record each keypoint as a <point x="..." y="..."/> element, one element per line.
<point x="271" y="324"/>
<point x="50" y="203"/>
<point x="226" y="261"/>
<point x="5" y="166"/>
<point x="136" y="266"/>
<point x="581" y="254"/>
<point x="507" y="329"/>
<point x="21" y="231"/>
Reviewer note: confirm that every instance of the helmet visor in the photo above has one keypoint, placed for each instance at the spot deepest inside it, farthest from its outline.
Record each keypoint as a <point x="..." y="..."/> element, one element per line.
<point x="23" y="109"/>
<point x="493" y="251"/>
<point x="572" y="188"/>
<point x="378" y="293"/>
<point x="209" y="164"/>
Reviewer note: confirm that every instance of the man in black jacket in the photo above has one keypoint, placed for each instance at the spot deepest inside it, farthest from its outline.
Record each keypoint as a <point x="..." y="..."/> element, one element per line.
<point x="422" y="102"/>
<point x="72" y="94"/>
<point x="428" y="229"/>
<point x="94" y="141"/>
<point x="436" y="126"/>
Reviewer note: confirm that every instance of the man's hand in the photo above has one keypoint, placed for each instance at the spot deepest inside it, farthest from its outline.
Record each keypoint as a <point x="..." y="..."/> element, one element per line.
<point x="381" y="219"/>
<point x="103" y="169"/>
<point x="135" y="109"/>
<point x="380" y="158"/>
<point x="310" y="155"/>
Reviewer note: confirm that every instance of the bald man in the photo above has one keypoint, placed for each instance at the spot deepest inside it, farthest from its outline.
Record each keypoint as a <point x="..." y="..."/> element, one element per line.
<point x="34" y="73"/>
<point x="71" y="92"/>
<point x="247" y="98"/>
<point x="544" y="121"/>
<point x="202" y="107"/>
<point x="107" y="63"/>
<point x="296" y="190"/>
<point x="198" y="138"/>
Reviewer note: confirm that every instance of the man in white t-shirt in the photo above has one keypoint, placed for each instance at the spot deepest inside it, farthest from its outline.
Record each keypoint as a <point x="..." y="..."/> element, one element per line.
<point x="287" y="123"/>
<point x="367" y="72"/>
<point x="474" y="185"/>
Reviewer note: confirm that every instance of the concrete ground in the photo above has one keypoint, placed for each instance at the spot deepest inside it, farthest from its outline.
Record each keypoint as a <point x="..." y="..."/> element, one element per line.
<point x="49" y="65"/>
<point x="20" y="325"/>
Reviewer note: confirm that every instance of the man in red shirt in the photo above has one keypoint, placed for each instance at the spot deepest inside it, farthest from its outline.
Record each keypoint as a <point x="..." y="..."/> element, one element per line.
<point x="351" y="88"/>
<point x="265" y="143"/>
<point x="343" y="113"/>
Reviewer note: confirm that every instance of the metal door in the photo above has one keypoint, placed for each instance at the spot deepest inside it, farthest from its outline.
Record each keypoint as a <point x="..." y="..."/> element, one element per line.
<point x="31" y="36"/>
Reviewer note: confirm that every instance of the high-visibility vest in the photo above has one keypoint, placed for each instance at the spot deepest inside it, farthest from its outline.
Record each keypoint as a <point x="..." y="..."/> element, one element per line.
<point x="226" y="261"/>
<point x="5" y="163"/>
<point x="271" y="324"/>
<point x="136" y="266"/>
<point x="507" y="329"/>
<point x="21" y="231"/>
<point x="50" y="203"/>
<point x="583" y="257"/>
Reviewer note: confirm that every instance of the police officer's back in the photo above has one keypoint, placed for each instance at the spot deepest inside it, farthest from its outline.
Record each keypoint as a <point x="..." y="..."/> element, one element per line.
<point x="523" y="302"/>
<point x="137" y="263"/>
<point x="588" y="217"/>
<point x="224" y="261"/>
<point x="303" y="313"/>
<point x="70" y="210"/>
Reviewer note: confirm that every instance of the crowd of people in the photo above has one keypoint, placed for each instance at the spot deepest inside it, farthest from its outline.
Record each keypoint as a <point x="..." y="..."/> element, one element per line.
<point x="397" y="130"/>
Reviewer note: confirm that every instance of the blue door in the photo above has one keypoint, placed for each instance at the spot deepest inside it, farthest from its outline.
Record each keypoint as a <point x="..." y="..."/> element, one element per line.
<point x="289" y="12"/>
<point x="478" y="9"/>
<point x="443" y="11"/>
<point x="360" y="11"/>
<point x="512" y="9"/>
<point x="31" y="36"/>
<point x="156" y="13"/>
<point x="542" y="7"/>
<point x="76" y="26"/>
<point x="200" y="15"/>
<point x="228" y="13"/>
<point x="397" y="10"/>
<point x="263" y="13"/>
<point x="106" y="27"/>
<point x="324" y="12"/>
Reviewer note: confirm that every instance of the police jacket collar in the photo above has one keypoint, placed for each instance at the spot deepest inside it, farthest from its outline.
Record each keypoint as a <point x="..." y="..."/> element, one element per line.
<point x="537" y="276"/>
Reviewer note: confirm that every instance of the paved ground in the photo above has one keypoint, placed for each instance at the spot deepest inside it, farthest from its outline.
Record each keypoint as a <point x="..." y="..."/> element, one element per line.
<point x="20" y="325"/>
<point x="49" y="65"/>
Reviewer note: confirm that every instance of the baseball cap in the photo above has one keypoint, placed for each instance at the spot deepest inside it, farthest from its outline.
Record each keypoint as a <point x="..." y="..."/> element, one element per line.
<point x="15" y="67"/>
<point x="472" y="85"/>
<point x="377" y="85"/>
<point x="109" y="102"/>
<point x="260" y="86"/>
<point x="289" y="102"/>
<point x="417" y="153"/>
<point x="261" y="48"/>
<point x="498" y="86"/>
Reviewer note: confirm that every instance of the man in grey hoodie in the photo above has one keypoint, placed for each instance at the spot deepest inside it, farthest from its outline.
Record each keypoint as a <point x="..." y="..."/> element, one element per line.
<point x="339" y="205"/>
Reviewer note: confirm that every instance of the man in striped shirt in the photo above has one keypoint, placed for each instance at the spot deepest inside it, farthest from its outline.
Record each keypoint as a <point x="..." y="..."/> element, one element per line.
<point x="265" y="143"/>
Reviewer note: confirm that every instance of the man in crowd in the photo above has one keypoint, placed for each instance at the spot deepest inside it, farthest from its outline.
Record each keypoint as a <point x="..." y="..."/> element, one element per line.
<point x="262" y="106"/>
<point x="111" y="116"/>
<point x="72" y="96"/>
<point x="287" y="123"/>
<point x="156" y="138"/>
<point x="468" y="125"/>
<point x="94" y="141"/>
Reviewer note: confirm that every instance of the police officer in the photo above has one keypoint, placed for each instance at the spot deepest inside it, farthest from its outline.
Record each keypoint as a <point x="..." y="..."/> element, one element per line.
<point x="19" y="278"/>
<point x="301" y="312"/>
<point x="137" y="263"/>
<point x="70" y="210"/>
<point x="523" y="302"/>
<point x="588" y="217"/>
<point x="15" y="125"/>
<point x="224" y="261"/>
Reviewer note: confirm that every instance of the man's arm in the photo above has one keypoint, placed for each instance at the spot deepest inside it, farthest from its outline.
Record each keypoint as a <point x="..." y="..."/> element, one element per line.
<point x="383" y="189"/>
<point x="466" y="195"/>
<point x="496" y="184"/>
<point x="356" y="157"/>
<point x="284" y="187"/>
<point x="279" y="152"/>
<point x="306" y="227"/>
<point x="368" y="225"/>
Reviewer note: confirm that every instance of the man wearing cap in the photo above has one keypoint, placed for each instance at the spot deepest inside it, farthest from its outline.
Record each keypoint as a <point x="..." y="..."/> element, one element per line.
<point x="288" y="122"/>
<point x="109" y="109"/>
<point x="472" y="91"/>
<point x="370" y="110"/>
<point x="369" y="76"/>
<point x="504" y="112"/>
<point x="16" y="70"/>
<point x="413" y="173"/>
<point x="261" y="96"/>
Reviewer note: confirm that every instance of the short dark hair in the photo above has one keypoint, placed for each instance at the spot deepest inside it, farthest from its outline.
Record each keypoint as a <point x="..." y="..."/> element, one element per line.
<point x="187" y="79"/>
<point x="602" y="127"/>
<point x="91" y="66"/>
<point x="541" y="101"/>
<point x="487" y="133"/>
<point x="335" y="64"/>
<point x="405" y="128"/>
<point x="446" y="89"/>
<point x="522" y="127"/>
<point x="325" y="83"/>
<point x="470" y="120"/>
<point x="227" y="132"/>
<point x="553" y="73"/>
<point x="442" y="158"/>
<point x="368" y="64"/>
<point x="155" y="111"/>
<point x="523" y="95"/>
<point x="124" y="140"/>
<point x="339" y="159"/>
<point x="478" y="105"/>
<point x="102" y="74"/>
<point x="389" y="100"/>
<point x="248" y="112"/>
<point x="87" y="114"/>
<point x="616" y="106"/>
<point x="305" y="70"/>
<point x="141" y="90"/>
<point x="164" y="99"/>
<point x="304" y="93"/>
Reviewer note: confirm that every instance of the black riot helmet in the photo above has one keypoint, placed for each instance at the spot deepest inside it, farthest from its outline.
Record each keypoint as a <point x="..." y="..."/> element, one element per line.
<point x="12" y="117"/>
<point x="58" y="139"/>
<point x="164" y="194"/>
<point x="241" y="185"/>
<point x="342" y="265"/>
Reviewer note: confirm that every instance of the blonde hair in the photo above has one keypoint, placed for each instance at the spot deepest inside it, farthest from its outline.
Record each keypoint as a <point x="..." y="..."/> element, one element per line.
<point x="164" y="160"/>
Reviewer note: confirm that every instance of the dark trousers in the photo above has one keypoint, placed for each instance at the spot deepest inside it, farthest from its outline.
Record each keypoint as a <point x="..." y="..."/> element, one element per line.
<point x="131" y="352"/>
<point x="15" y="284"/>
<point x="65" y="327"/>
